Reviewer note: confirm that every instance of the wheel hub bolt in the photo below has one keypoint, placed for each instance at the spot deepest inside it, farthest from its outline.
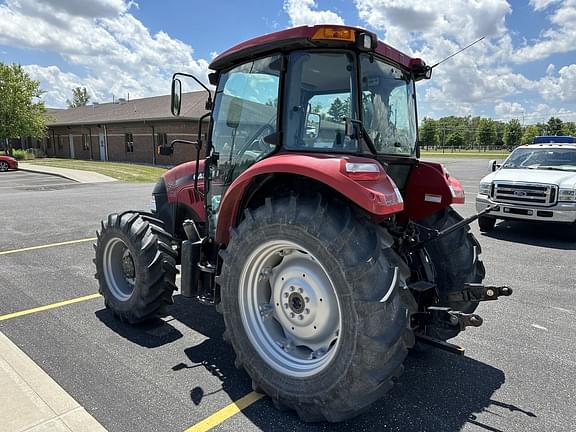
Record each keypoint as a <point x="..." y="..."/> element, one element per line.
<point x="291" y="288"/>
<point x="286" y="306"/>
<point x="292" y="315"/>
<point x="286" y="294"/>
<point x="300" y="290"/>
<point x="307" y="311"/>
<point x="300" y="317"/>
<point x="307" y="299"/>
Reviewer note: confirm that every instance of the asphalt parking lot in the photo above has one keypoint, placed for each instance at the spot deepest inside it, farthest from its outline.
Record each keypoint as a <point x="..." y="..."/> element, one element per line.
<point x="168" y="375"/>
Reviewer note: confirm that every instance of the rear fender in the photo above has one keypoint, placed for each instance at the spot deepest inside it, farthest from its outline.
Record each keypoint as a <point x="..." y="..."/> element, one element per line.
<point x="430" y="189"/>
<point x="379" y="196"/>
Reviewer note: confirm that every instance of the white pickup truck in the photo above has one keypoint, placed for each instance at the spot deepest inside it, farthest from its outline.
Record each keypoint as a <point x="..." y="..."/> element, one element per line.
<point x="537" y="182"/>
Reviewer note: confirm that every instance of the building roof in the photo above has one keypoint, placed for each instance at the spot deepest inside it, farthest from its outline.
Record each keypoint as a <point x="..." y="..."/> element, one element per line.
<point x="145" y="109"/>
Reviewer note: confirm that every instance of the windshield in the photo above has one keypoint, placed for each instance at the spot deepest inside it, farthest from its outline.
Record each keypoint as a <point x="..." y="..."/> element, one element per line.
<point x="388" y="102"/>
<point x="561" y="159"/>
<point x="320" y="93"/>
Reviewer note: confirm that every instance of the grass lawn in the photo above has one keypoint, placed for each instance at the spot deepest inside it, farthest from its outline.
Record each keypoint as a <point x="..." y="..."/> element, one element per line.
<point x="470" y="154"/>
<point x="128" y="172"/>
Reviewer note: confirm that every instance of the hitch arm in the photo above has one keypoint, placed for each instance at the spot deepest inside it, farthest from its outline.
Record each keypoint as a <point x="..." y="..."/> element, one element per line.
<point x="435" y="234"/>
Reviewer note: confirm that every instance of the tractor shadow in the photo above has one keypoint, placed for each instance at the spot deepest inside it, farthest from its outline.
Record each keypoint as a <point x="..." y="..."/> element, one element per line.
<point x="548" y="235"/>
<point x="438" y="391"/>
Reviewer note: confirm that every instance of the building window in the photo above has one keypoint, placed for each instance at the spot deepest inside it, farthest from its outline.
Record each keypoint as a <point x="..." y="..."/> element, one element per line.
<point x="129" y="140"/>
<point x="161" y="139"/>
<point x="86" y="141"/>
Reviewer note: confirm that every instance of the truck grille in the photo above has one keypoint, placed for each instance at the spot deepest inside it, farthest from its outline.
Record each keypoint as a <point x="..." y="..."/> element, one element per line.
<point x="532" y="194"/>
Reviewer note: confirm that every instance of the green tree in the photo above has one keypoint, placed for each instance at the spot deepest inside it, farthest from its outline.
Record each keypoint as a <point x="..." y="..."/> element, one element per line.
<point x="455" y="140"/>
<point x="429" y="133"/>
<point x="21" y="113"/>
<point x="554" y="126"/>
<point x="485" y="134"/>
<point x="513" y="134"/>
<point x="529" y="133"/>
<point x="80" y="97"/>
<point x="569" y="128"/>
<point x="339" y="109"/>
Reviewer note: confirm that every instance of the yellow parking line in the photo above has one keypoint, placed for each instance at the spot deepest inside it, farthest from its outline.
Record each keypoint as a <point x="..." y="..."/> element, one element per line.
<point x="7" y="252"/>
<point x="225" y="413"/>
<point x="48" y="307"/>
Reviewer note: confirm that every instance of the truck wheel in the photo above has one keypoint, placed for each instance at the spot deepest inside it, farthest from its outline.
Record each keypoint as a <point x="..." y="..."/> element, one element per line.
<point x="313" y="299"/>
<point x="456" y="261"/>
<point x="3" y="166"/>
<point x="486" y="223"/>
<point x="135" y="266"/>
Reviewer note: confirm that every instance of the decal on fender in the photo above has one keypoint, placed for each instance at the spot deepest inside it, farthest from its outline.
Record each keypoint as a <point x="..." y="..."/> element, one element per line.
<point x="433" y="198"/>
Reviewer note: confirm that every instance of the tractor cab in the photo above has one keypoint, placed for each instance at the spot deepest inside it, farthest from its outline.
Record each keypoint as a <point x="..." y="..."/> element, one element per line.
<point x="309" y="90"/>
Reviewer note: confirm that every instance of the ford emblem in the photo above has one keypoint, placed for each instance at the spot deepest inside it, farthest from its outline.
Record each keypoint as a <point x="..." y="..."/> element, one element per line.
<point x="520" y="193"/>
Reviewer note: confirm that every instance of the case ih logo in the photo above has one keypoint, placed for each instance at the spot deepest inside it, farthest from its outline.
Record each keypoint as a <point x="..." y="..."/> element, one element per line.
<point x="520" y="193"/>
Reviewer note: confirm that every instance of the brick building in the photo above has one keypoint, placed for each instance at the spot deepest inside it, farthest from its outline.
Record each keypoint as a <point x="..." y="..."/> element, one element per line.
<point x="126" y="130"/>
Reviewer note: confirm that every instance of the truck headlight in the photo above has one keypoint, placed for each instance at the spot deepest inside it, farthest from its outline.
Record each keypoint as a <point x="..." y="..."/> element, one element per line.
<point x="485" y="188"/>
<point x="567" y="195"/>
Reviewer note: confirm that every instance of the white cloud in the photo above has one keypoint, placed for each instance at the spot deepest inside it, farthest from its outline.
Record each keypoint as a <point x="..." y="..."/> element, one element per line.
<point x="118" y="53"/>
<point x="561" y="87"/>
<point x="302" y="12"/>
<point x="539" y="5"/>
<point x="560" y="37"/>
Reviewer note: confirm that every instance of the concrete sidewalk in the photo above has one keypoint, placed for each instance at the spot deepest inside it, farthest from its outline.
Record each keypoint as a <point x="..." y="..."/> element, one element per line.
<point x="72" y="174"/>
<point x="31" y="401"/>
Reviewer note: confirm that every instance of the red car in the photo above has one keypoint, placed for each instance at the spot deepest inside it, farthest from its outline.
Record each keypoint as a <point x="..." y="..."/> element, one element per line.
<point x="8" y="162"/>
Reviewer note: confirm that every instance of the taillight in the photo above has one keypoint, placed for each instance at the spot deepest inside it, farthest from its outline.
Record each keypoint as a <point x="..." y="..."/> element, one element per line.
<point x="363" y="171"/>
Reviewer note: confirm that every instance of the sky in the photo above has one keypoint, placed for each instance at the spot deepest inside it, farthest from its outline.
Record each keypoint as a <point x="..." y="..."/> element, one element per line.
<point x="525" y="68"/>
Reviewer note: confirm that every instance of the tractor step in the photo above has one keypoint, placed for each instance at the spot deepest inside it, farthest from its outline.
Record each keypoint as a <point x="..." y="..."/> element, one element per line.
<point x="437" y="343"/>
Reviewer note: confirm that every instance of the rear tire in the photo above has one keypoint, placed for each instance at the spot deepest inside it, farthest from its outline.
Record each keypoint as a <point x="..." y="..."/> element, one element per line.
<point x="3" y="166"/>
<point x="349" y="263"/>
<point x="486" y="223"/>
<point x="135" y="266"/>
<point x="456" y="261"/>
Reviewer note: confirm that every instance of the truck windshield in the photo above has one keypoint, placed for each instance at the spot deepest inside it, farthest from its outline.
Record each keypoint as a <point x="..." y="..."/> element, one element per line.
<point x="561" y="158"/>
<point x="321" y="90"/>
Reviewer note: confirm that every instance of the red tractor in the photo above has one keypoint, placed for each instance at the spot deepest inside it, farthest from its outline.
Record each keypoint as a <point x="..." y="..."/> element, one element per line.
<point x="308" y="220"/>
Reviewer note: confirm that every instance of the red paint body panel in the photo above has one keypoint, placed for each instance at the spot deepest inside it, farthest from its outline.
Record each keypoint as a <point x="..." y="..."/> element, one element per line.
<point x="430" y="189"/>
<point x="291" y="36"/>
<point x="179" y="182"/>
<point x="12" y="163"/>
<point x="377" y="197"/>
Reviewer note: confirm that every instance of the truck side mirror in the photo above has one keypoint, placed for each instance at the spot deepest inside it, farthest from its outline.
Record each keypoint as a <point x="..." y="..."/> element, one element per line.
<point x="176" y="97"/>
<point x="312" y="125"/>
<point x="493" y="165"/>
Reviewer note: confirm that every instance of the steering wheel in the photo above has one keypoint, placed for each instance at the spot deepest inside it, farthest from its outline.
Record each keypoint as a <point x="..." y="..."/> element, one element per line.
<point x="258" y="144"/>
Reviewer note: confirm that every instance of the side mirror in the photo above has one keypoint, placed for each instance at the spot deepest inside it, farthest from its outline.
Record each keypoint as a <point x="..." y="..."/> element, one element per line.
<point x="165" y="150"/>
<point x="234" y="113"/>
<point x="493" y="165"/>
<point x="313" y="125"/>
<point x="349" y="129"/>
<point x="176" y="97"/>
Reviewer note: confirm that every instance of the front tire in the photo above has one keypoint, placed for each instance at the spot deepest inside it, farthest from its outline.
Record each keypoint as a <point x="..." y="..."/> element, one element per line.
<point x="3" y="166"/>
<point x="313" y="299"/>
<point x="135" y="266"/>
<point x="486" y="223"/>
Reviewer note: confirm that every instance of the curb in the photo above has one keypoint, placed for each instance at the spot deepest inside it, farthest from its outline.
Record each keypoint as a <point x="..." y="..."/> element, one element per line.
<point x="37" y="171"/>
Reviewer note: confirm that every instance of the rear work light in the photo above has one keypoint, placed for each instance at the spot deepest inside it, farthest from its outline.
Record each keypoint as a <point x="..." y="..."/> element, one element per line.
<point x="335" y="33"/>
<point x="362" y="171"/>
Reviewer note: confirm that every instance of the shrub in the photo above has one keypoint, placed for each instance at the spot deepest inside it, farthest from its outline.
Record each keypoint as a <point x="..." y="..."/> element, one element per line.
<point x="22" y="154"/>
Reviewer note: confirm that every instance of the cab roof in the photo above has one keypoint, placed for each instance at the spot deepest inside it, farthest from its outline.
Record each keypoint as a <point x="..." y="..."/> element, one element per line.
<point x="306" y="37"/>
